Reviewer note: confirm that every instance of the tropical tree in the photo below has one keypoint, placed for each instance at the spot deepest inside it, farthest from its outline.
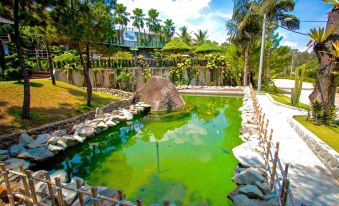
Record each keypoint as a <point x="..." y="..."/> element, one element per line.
<point x="168" y="29"/>
<point x="200" y="37"/>
<point x="152" y="21"/>
<point x="244" y="28"/>
<point x="84" y="24"/>
<point x="138" y="19"/>
<point x="184" y="35"/>
<point x="121" y="15"/>
<point x="276" y="13"/>
<point x="327" y="74"/>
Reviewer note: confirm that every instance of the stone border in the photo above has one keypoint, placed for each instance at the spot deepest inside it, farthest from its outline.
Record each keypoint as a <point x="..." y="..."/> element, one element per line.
<point x="328" y="156"/>
<point x="284" y="105"/>
<point x="7" y="140"/>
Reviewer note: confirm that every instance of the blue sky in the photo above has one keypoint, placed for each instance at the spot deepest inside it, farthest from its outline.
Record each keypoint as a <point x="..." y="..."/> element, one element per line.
<point x="211" y="15"/>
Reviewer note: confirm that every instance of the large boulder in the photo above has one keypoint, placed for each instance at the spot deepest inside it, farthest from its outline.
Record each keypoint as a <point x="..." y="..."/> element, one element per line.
<point x="160" y="93"/>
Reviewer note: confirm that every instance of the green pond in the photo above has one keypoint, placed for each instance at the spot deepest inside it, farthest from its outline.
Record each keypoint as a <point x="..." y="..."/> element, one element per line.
<point x="184" y="157"/>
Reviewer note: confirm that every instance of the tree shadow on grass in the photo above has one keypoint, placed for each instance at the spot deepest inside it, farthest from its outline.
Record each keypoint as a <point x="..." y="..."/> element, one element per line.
<point x="32" y="84"/>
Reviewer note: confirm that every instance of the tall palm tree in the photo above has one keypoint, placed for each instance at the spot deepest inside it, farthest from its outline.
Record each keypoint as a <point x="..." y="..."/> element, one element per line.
<point x="184" y="35"/>
<point x="138" y="20"/>
<point x="168" y="29"/>
<point x="244" y="28"/>
<point x="152" y="21"/>
<point x="276" y="12"/>
<point x="200" y="37"/>
<point x="121" y="15"/>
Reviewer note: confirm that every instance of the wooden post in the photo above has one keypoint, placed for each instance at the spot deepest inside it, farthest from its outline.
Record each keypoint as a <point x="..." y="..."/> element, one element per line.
<point x="31" y="186"/>
<point x="268" y="149"/>
<point x="8" y="185"/>
<point x="95" y="199"/>
<point x="120" y="195"/>
<point x="274" y="166"/>
<point x="24" y="182"/>
<point x="81" y="198"/>
<point x="59" y="191"/>
<point x="50" y="189"/>
<point x="284" y="180"/>
<point x="139" y="203"/>
<point x="166" y="203"/>
<point x="284" y="197"/>
<point x="265" y="133"/>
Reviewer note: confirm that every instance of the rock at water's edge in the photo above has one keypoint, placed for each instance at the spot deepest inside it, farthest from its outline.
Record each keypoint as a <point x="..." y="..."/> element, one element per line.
<point x="160" y="93"/>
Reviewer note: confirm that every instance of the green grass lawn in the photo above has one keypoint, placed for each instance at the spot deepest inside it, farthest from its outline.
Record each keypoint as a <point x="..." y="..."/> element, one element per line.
<point x="287" y="100"/>
<point x="330" y="135"/>
<point x="48" y="103"/>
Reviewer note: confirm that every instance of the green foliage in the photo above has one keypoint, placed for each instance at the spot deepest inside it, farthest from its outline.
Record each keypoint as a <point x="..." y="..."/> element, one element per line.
<point x="319" y="36"/>
<point x="69" y="59"/>
<point x="298" y="83"/>
<point x="176" y="45"/>
<point x="332" y="2"/>
<point x="215" y="60"/>
<point x="126" y="75"/>
<point x="146" y="70"/>
<point x="280" y="62"/>
<point x="184" y="35"/>
<point x="208" y="47"/>
<point x="322" y="116"/>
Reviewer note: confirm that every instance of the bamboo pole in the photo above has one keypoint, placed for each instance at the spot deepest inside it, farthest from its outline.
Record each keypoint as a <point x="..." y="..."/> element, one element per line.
<point x="8" y="185"/>
<point x="81" y="199"/>
<point x="50" y="189"/>
<point x="284" y="181"/>
<point x="59" y="191"/>
<point x="31" y="186"/>
<point x="24" y="182"/>
<point x="284" y="197"/>
<point x="95" y="199"/>
<point x="139" y="203"/>
<point x="274" y="166"/>
<point x="166" y="203"/>
<point x="268" y="149"/>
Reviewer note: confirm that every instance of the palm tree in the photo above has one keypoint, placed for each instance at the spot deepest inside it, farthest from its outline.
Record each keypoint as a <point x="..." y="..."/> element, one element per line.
<point x="200" y="37"/>
<point x="152" y="21"/>
<point x="138" y="20"/>
<point x="244" y="28"/>
<point x="327" y="74"/>
<point x="168" y="29"/>
<point x="184" y="35"/>
<point x="121" y="15"/>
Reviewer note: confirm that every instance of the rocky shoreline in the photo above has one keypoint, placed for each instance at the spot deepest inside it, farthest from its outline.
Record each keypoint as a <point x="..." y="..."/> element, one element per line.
<point x="250" y="175"/>
<point x="33" y="149"/>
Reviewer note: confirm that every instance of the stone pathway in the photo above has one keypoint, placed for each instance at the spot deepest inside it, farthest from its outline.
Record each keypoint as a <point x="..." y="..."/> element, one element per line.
<point x="311" y="182"/>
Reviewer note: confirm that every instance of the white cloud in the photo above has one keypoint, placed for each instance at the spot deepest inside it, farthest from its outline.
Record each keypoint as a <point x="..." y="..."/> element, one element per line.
<point x="195" y="14"/>
<point x="289" y="43"/>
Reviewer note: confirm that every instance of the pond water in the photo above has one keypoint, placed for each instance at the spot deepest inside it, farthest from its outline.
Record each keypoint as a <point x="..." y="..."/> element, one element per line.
<point x="184" y="157"/>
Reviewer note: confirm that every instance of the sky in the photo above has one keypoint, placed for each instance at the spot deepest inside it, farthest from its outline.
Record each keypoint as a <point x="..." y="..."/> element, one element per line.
<point x="211" y="15"/>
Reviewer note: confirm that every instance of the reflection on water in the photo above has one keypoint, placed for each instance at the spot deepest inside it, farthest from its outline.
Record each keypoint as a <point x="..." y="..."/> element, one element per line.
<point x="194" y="155"/>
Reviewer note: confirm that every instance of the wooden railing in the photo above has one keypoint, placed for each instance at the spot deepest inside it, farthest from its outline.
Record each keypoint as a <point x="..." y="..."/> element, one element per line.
<point x="272" y="161"/>
<point x="29" y="196"/>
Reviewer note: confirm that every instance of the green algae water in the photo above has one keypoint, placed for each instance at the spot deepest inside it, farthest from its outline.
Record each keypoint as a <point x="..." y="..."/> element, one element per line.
<point x="184" y="157"/>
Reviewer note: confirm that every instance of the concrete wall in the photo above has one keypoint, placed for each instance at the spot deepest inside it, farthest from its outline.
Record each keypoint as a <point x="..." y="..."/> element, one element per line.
<point x="106" y="78"/>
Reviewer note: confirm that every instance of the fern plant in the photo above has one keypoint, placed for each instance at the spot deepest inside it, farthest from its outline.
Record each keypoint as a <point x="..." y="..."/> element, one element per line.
<point x="316" y="111"/>
<point x="319" y="36"/>
<point x="332" y="2"/>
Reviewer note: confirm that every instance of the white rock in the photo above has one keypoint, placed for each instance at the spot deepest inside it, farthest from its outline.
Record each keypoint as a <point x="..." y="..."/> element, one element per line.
<point x="25" y="139"/>
<point x="55" y="148"/>
<point x="101" y="125"/>
<point x="110" y="123"/>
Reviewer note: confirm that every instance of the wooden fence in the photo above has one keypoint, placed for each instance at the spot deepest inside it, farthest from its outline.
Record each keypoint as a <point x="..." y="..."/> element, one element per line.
<point x="29" y="196"/>
<point x="272" y="162"/>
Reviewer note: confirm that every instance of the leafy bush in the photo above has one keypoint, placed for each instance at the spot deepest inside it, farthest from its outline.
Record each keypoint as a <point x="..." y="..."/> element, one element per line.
<point x="322" y="116"/>
<point x="13" y="74"/>
<point x="69" y="59"/>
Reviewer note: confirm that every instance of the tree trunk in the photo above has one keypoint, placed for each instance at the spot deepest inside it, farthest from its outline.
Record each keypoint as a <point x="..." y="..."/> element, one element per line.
<point x="324" y="90"/>
<point x="50" y="63"/>
<point x="88" y="81"/>
<point x="246" y="65"/>
<point x="2" y="60"/>
<point x="26" y="102"/>
<point x="268" y="55"/>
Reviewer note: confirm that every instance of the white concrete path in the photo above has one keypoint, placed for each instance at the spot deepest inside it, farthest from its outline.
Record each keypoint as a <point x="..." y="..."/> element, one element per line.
<point x="311" y="182"/>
